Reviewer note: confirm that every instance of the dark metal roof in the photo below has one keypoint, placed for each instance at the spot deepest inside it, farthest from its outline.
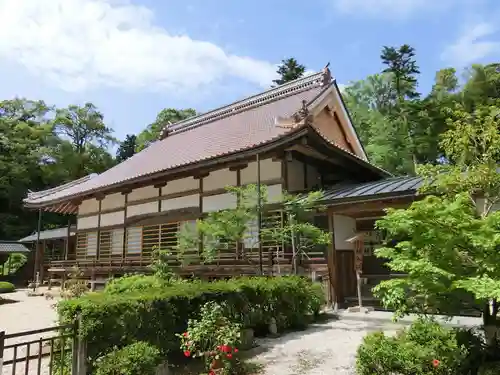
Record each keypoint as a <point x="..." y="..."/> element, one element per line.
<point x="7" y="247"/>
<point x="386" y="188"/>
<point x="50" y="234"/>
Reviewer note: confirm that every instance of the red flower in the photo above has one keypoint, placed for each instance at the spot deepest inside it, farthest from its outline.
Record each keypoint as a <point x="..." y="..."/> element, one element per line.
<point x="212" y="372"/>
<point x="187" y="353"/>
<point x="225" y="348"/>
<point x="236" y="350"/>
<point x="185" y="334"/>
<point x="229" y="356"/>
<point x="435" y="362"/>
<point x="219" y="347"/>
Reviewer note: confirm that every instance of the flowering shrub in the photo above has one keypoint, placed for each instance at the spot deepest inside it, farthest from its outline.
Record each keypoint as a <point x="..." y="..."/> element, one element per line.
<point x="425" y="348"/>
<point x="214" y="338"/>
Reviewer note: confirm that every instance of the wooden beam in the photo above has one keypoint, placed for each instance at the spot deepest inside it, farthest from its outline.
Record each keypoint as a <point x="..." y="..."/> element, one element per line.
<point x="350" y="208"/>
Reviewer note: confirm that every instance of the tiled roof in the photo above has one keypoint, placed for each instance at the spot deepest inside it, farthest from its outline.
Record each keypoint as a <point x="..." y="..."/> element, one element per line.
<point x="12" y="247"/>
<point x="50" y="234"/>
<point x="240" y="126"/>
<point x="389" y="187"/>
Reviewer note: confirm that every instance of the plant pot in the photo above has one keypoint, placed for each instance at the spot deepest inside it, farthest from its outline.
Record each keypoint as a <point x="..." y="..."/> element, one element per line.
<point x="246" y="338"/>
<point x="163" y="369"/>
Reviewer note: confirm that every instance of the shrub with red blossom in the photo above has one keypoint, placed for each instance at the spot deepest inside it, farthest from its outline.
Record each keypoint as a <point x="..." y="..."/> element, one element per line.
<point x="214" y="338"/>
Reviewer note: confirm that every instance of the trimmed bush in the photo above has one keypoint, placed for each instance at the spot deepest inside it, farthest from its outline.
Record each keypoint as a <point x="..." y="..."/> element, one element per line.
<point x="133" y="283"/>
<point x="426" y="347"/>
<point x="155" y="315"/>
<point x="139" y="358"/>
<point x="6" y="287"/>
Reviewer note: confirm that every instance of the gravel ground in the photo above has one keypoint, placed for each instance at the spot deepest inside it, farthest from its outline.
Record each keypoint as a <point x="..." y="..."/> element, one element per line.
<point x="323" y="349"/>
<point x="27" y="314"/>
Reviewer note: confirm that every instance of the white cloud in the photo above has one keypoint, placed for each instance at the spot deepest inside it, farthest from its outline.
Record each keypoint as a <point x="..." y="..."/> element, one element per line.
<point x="81" y="44"/>
<point x="471" y="46"/>
<point x="387" y="8"/>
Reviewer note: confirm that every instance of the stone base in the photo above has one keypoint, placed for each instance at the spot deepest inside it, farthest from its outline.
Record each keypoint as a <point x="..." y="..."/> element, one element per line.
<point x="163" y="369"/>
<point x="357" y="309"/>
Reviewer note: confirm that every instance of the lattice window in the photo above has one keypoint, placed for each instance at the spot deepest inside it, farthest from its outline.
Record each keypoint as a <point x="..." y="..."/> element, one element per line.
<point x="168" y="236"/>
<point x="134" y="240"/>
<point x="91" y="244"/>
<point x="105" y="244"/>
<point x="81" y="245"/>
<point x="117" y="241"/>
<point x="150" y="239"/>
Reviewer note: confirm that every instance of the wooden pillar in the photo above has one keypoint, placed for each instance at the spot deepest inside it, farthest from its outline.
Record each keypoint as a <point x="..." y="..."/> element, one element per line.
<point x="67" y="241"/>
<point x="239" y="245"/>
<point x="332" y="264"/>
<point x="124" y="249"/>
<point x="37" y="251"/>
<point x="98" y="252"/>
<point x="259" y="216"/>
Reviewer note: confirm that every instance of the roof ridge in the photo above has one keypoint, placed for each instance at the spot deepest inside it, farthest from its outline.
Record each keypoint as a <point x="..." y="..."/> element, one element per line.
<point x="42" y="193"/>
<point x="321" y="78"/>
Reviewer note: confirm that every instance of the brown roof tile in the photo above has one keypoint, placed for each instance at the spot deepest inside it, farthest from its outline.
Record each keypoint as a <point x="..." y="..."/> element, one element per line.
<point x="237" y="127"/>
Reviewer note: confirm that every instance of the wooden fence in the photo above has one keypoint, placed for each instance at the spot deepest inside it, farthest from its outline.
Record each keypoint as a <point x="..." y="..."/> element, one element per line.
<point x="50" y="351"/>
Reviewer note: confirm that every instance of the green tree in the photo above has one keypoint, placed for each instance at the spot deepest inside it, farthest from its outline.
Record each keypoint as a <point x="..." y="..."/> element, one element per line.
<point x="289" y="70"/>
<point x="482" y="85"/>
<point x="298" y="231"/>
<point x="165" y="116"/>
<point x="84" y="139"/>
<point x="371" y="102"/>
<point x="448" y="243"/>
<point x="127" y="148"/>
<point x="401" y="64"/>
<point x="26" y="136"/>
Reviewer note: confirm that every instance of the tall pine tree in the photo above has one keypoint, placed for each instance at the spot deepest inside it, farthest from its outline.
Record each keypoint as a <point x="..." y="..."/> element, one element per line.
<point x="289" y="70"/>
<point x="127" y="148"/>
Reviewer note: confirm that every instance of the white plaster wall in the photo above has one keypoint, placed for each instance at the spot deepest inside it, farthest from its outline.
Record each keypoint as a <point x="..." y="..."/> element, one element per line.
<point x="89" y="206"/>
<point x="113" y="201"/>
<point x="219" y="179"/>
<point x="180" y="202"/>
<point x="87" y="222"/>
<point x="295" y="175"/>
<point x="180" y="185"/>
<point x="269" y="170"/>
<point x="344" y="228"/>
<point x="141" y="209"/>
<point x="274" y="193"/>
<point x="113" y="218"/>
<point x="219" y="202"/>
<point x="143" y="193"/>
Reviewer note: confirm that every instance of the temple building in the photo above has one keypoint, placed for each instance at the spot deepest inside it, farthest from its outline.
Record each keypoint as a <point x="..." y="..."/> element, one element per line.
<point x="296" y="137"/>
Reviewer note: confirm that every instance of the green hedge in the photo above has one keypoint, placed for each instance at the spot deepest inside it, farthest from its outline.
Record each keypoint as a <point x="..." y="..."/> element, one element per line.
<point x="6" y="287"/>
<point x="156" y="315"/>
<point x="139" y="358"/>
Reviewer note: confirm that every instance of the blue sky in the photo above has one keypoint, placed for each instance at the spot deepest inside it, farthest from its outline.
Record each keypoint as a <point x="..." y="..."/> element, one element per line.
<point x="133" y="58"/>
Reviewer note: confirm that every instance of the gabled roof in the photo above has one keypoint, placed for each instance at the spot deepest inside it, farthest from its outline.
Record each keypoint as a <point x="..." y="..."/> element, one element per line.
<point x="244" y="125"/>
